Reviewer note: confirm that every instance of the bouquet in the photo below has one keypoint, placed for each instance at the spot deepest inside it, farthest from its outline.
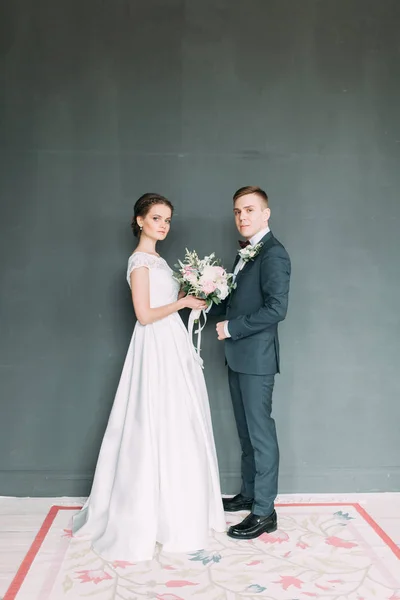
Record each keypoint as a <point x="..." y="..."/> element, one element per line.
<point x="204" y="278"/>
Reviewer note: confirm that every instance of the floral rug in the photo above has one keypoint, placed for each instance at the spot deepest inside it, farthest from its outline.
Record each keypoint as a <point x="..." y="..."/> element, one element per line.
<point x="330" y="551"/>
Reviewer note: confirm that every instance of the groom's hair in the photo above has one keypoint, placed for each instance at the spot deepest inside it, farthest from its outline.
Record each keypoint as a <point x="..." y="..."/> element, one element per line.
<point x="251" y="189"/>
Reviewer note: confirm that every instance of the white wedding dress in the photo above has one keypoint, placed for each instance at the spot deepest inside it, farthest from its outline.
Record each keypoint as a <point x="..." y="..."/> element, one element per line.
<point x="156" y="478"/>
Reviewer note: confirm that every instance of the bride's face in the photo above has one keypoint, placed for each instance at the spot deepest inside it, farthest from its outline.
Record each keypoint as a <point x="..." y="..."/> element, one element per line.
<point x="156" y="223"/>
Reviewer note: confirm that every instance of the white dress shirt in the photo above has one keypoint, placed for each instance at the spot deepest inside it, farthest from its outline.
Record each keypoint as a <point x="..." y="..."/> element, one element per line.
<point x="253" y="241"/>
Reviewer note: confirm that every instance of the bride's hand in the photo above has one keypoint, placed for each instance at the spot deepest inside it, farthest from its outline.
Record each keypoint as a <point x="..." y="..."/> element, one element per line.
<point x="194" y="303"/>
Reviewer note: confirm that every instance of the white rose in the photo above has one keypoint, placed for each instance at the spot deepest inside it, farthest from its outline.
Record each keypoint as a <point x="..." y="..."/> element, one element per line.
<point x="210" y="273"/>
<point x="223" y="290"/>
<point x="191" y="277"/>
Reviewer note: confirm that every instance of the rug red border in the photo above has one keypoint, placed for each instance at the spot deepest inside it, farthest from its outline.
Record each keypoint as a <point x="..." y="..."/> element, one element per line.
<point x="26" y="564"/>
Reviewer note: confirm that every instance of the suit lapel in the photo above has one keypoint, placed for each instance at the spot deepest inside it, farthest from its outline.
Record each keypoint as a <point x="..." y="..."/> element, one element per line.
<point x="236" y="262"/>
<point x="268" y="236"/>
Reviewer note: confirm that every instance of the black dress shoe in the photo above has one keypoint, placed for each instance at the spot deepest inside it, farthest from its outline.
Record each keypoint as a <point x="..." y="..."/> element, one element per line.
<point x="253" y="526"/>
<point x="238" y="502"/>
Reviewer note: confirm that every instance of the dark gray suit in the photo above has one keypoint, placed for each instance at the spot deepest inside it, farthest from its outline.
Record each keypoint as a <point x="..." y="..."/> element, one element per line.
<point x="254" y="310"/>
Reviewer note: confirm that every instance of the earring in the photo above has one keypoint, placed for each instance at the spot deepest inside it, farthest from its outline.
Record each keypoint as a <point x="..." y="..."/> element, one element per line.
<point x="140" y="228"/>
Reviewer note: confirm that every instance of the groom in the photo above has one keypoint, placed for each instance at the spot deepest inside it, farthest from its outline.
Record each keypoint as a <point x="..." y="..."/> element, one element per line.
<point x="253" y="311"/>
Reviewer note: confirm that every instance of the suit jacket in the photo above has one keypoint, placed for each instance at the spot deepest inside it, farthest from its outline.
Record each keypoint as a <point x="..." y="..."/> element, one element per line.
<point x="255" y="308"/>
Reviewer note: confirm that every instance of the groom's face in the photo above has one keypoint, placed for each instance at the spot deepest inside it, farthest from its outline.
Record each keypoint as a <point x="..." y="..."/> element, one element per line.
<point x="251" y="215"/>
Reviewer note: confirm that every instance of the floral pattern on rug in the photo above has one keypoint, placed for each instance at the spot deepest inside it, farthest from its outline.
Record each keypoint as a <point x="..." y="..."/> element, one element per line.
<point x="319" y="552"/>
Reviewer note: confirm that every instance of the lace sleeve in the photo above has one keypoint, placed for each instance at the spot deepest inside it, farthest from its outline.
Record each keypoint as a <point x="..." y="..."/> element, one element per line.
<point x="137" y="260"/>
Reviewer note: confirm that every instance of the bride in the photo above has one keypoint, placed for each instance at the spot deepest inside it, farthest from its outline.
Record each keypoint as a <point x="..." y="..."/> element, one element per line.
<point x="156" y="479"/>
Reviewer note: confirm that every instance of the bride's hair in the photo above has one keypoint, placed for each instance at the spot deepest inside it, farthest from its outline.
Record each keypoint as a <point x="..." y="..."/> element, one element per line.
<point x="142" y="207"/>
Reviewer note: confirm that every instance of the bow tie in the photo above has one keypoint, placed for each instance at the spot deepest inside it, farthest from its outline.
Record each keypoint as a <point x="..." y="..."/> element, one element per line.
<point x="244" y="244"/>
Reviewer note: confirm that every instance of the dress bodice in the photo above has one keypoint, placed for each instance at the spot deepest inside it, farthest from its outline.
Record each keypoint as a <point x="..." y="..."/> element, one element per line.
<point x="164" y="288"/>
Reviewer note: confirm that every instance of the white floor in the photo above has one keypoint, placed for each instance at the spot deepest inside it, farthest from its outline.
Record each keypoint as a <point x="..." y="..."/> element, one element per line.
<point x="20" y="519"/>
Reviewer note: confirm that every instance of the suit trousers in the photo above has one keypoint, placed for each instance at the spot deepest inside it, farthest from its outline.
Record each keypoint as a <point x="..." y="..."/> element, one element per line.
<point x="252" y="404"/>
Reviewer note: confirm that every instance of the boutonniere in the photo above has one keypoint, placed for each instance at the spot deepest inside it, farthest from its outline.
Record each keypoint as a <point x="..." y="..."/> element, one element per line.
<point x="250" y="252"/>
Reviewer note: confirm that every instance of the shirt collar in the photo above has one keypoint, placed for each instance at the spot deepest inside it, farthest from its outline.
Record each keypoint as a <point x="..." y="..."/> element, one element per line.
<point x="258" y="236"/>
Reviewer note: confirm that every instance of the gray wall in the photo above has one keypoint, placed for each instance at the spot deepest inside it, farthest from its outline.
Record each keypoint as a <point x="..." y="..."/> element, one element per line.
<point x="102" y="101"/>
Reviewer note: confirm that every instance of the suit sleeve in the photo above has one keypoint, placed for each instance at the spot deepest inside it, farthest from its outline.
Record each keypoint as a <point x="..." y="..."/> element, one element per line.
<point x="275" y="278"/>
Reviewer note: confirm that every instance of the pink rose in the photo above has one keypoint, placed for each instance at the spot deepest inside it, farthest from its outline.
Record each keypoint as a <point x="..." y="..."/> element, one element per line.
<point x="208" y="287"/>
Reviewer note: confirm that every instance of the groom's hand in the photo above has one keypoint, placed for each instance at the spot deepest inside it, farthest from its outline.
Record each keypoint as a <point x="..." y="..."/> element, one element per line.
<point x="220" y="327"/>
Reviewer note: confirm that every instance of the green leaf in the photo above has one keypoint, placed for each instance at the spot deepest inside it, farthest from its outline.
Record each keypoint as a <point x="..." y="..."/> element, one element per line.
<point x="67" y="584"/>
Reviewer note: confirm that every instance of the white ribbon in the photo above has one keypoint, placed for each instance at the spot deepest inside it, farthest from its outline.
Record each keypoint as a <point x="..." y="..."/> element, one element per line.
<point x="195" y="317"/>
